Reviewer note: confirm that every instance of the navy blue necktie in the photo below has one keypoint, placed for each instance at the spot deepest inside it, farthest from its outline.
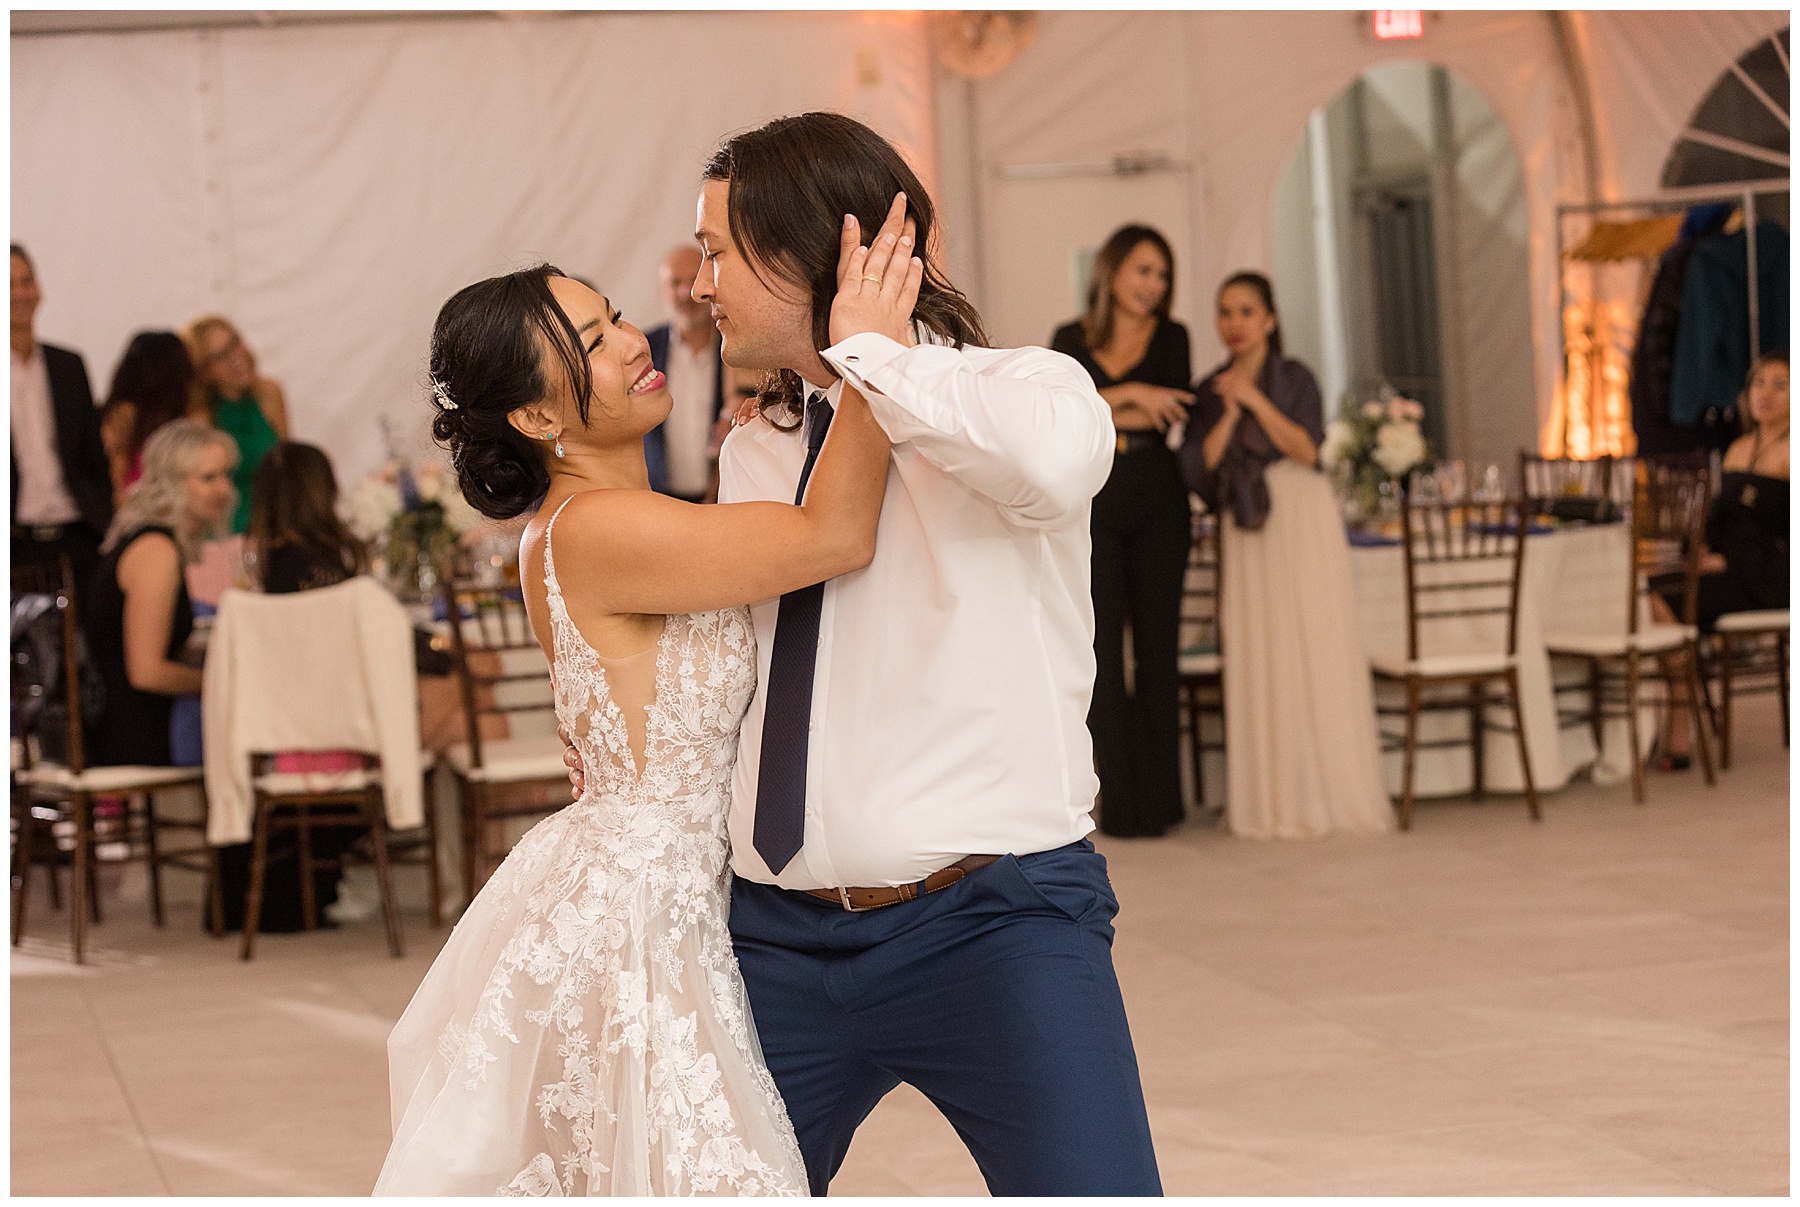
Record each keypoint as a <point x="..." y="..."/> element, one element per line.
<point x="787" y="694"/>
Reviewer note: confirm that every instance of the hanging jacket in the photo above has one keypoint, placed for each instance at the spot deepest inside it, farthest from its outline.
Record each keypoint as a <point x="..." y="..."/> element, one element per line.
<point x="1653" y="358"/>
<point x="1712" y="342"/>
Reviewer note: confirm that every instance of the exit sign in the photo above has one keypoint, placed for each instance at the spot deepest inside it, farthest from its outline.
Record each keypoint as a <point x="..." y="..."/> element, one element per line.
<point x="1399" y="23"/>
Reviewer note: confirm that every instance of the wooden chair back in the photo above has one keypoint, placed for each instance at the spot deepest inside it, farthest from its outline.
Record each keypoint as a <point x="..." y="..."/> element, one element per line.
<point x="1544" y="478"/>
<point x="500" y="668"/>
<point x="1200" y="588"/>
<point x="1668" y="522"/>
<point x="1463" y="562"/>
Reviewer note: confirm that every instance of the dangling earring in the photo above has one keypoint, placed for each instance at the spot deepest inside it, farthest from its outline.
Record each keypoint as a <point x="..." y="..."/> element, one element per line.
<point x="558" y="438"/>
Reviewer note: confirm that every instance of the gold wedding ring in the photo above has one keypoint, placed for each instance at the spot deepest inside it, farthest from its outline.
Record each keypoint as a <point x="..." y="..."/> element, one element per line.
<point x="867" y="277"/>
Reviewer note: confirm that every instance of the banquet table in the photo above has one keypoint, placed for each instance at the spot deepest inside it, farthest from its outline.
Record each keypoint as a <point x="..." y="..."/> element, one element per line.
<point x="1573" y="580"/>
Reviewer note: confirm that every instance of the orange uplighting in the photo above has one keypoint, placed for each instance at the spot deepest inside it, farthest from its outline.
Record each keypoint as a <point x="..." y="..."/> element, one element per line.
<point x="1391" y="23"/>
<point x="1594" y="406"/>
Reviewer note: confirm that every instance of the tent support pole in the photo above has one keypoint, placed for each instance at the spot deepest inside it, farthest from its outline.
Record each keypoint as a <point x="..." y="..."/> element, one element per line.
<point x="1750" y="252"/>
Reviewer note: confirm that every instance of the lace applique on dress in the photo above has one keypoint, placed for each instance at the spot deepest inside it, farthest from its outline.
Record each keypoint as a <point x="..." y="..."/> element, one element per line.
<point x="610" y="1009"/>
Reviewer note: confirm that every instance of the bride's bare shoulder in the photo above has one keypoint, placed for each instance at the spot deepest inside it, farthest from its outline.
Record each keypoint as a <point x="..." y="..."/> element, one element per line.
<point x="591" y="533"/>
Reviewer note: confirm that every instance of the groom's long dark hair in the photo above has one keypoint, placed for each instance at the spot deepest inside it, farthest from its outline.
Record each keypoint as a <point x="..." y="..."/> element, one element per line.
<point x="792" y="182"/>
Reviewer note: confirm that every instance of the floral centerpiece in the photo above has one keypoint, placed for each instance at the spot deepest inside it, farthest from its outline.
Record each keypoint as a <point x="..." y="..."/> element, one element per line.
<point x="411" y="516"/>
<point x="1374" y="444"/>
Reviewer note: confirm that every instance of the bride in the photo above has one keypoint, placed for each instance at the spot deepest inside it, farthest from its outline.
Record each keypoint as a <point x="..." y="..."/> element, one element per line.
<point x="585" y="1029"/>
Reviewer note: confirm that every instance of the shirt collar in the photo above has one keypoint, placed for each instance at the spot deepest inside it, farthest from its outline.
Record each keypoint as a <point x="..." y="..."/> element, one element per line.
<point x="832" y="392"/>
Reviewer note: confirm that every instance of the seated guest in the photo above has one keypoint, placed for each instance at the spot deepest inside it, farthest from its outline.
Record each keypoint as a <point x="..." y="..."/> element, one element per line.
<point x="296" y="537"/>
<point x="153" y="384"/>
<point x="298" y="544"/>
<point x="138" y="617"/>
<point x="1744" y="567"/>
<point x="62" y="501"/>
<point x="686" y="351"/>
<point x="236" y="400"/>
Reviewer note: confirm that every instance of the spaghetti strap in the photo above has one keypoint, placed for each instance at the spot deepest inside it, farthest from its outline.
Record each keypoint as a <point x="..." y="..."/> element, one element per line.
<point x="550" y="583"/>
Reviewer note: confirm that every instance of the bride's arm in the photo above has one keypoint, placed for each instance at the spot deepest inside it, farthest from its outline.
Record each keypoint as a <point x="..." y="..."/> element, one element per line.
<point x="634" y="551"/>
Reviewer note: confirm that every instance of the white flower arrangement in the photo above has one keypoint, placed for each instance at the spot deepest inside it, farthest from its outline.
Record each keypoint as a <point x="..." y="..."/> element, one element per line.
<point x="374" y="504"/>
<point x="1378" y="442"/>
<point x="435" y="485"/>
<point x="410" y="514"/>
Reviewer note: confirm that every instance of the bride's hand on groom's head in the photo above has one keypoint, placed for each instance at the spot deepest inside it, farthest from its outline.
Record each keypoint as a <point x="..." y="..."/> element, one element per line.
<point x="571" y="760"/>
<point x="878" y="285"/>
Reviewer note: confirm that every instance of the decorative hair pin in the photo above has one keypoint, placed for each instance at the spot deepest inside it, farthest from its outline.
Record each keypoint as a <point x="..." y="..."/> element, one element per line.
<point x="442" y="395"/>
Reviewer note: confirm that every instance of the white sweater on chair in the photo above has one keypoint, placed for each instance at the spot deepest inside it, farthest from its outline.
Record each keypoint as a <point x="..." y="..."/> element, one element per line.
<point x="314" y="670"/>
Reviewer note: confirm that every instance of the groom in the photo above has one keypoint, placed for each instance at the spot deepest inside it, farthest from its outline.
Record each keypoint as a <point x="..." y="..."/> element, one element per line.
<point x="914" y="896"/>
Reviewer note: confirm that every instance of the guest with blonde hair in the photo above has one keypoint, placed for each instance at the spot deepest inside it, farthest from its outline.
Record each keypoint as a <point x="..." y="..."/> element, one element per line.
<point x="236" y="399"/>
<point x="138" y="615"/>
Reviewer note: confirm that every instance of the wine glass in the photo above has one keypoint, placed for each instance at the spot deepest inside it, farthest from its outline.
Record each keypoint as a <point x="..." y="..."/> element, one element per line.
<point x="1455" y="477"/>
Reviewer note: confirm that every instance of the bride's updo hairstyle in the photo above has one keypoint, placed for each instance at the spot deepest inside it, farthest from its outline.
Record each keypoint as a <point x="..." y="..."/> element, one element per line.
<point x="502" y="344"/>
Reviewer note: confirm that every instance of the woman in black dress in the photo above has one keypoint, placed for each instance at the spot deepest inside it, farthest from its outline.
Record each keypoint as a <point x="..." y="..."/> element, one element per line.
<point x="1139" y="359"/>
<point x="295" y="535"/>
<point x="137" y="615"/>
<point x="1744" y="567"/>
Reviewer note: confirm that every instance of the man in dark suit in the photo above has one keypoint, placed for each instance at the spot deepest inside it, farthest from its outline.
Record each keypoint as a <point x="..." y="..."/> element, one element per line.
<point x="61" y="492"/>
<point x="686" y="351"/>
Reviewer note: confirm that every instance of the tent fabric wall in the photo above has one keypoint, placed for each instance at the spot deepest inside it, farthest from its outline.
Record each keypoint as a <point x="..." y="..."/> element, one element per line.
<point x="1230" y="93"/>
<point x="327" y="187"/>
<point x="1652" y="71"/>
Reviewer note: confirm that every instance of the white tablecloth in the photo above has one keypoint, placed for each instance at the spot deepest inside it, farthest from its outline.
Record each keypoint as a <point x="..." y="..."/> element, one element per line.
<point x="1574" y="579"/>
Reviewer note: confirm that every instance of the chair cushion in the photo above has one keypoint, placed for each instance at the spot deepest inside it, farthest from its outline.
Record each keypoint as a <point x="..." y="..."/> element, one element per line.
<point x="110" y="779"/>
<point x="511" y="760"/>
<point x="1479" y="662"/>
<point x="1773" y="620"/>
<point x="1195" y="663"/>
<point x="354" y="779"/>
<point x="1655" y="639"/>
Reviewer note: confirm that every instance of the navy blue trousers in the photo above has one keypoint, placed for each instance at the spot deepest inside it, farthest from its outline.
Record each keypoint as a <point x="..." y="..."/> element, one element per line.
<point x="995" y="998"/>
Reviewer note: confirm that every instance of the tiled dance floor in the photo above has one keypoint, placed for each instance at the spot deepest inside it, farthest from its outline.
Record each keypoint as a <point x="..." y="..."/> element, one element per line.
<point x="1597" y="1004"/>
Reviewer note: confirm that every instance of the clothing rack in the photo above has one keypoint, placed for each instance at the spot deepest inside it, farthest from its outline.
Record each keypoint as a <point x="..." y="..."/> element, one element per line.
<point x="1744" y="192"/>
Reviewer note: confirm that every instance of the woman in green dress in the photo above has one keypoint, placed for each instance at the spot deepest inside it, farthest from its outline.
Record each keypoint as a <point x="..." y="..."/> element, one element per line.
<point x="249" y="408"/>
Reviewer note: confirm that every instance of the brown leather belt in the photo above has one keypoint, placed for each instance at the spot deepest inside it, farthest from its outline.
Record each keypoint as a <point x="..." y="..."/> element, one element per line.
<point x="856" y="900"/>
<point x="1134" y="440"/>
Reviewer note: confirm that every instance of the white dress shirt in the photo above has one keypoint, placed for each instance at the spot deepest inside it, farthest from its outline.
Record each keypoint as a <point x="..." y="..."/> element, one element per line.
<point x="686" y="432"/>
<point x="950" y="695"/>
<point x="44" y="496"/>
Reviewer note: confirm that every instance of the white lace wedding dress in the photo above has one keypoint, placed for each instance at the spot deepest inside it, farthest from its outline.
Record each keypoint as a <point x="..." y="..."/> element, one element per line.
<point x="585" y="1029"/>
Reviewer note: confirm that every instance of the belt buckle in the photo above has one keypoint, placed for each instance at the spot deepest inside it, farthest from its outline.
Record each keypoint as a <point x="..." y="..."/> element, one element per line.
<point x="844" y="896"/>
<point x="46" y="532"/>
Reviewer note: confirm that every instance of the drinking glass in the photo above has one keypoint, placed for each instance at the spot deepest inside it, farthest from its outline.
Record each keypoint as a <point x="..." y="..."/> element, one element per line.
<point x="1455" y="482"/>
